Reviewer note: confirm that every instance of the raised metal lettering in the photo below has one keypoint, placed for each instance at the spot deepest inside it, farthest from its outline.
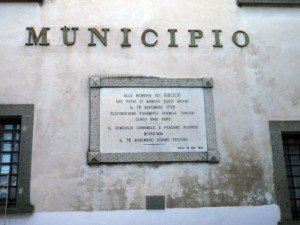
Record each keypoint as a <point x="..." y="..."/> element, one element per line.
<point x="235" y="38"/>
<point x="65" y="35"/>
<point x="193" y="37"/>
<point x="217" y="38"/>
<point x="172" y="36"/>
<point x="102" y="38"/>
<point x="144" y="38"/>
<point x="125" y="41"/>
<point x="36" y="39"/>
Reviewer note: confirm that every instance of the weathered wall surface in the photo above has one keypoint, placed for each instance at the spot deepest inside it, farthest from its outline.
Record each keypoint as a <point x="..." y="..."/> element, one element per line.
<point x="252" y="85"/>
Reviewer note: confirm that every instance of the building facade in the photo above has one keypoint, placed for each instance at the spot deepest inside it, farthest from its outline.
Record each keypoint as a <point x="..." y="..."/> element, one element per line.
<point x="63" y="63"/>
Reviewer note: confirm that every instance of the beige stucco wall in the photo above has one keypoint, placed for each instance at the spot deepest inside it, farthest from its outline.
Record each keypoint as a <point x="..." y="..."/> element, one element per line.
<point x="252" y="85"/>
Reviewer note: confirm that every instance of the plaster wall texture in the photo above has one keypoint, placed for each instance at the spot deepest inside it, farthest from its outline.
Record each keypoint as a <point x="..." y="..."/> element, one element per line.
<point x="252" y="85"/>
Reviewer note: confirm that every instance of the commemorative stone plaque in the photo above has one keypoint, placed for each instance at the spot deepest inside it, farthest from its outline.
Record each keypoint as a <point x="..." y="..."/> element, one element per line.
<point x="152" y="120"/>
<point x="140" y="119"/>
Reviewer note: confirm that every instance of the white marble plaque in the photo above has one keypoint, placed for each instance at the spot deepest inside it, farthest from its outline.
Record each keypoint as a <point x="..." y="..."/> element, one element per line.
<point x="136" y="120"/>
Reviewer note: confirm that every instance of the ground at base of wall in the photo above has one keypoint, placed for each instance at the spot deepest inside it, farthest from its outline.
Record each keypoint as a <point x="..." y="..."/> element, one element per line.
<point x="244" y="215"/>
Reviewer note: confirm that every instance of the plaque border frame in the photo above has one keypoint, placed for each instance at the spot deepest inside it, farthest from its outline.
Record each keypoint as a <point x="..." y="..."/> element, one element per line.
<point x="94" y="155"/>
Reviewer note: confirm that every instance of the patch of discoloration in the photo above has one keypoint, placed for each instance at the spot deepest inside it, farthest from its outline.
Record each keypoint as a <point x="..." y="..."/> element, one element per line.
<point x="295" y="97"/>
<point x="117" y="197"/>
<point x="192" y="192"/>
<point x="95" y="197"/>
<point x="243" y="177"/>
<point x="240" y="180"/>
<point x="135" y="184"/>
<point x="82" y="204"/>
<point x="258" y="106"/>
<point x="136" y="205"/>
<point x="121" y="191"/>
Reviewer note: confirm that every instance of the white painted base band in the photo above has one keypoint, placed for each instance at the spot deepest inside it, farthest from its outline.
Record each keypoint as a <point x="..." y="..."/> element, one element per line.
<point x="244" y="215"/>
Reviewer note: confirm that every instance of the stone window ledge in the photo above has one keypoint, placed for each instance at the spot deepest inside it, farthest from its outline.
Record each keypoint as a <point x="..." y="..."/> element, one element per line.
<point x="28" y="209"/>
<point x="13" y="1"/>
<point x="289" y="222"/>
<point x="268" y="2"/>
